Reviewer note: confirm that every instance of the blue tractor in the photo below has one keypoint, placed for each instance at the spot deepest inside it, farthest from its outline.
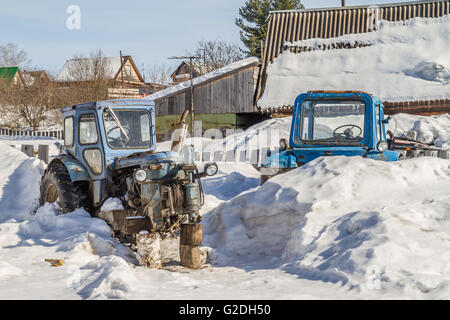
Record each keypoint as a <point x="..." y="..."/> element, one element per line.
<point x="340" y="123"/>
<point x="110" y="151"/>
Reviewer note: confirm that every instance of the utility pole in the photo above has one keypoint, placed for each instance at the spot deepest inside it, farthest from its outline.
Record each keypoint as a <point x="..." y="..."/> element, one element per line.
<point x="191" y="66"/>
<point x="204" y="58"/>
<point x="343" y="3"/>
<point x="121" y="66"/>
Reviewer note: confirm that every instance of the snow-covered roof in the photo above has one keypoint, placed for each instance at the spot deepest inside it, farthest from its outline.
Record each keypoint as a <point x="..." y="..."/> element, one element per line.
<point x="403" y="61"/>
<point x="206" y="77"/>
<point x="113" y="63"/>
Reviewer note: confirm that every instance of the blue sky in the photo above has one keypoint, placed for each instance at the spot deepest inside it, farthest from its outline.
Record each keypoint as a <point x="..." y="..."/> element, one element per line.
<point x="149" y="30"/>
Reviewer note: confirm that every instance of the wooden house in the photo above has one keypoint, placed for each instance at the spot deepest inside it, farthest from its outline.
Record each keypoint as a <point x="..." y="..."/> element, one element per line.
<point x="29" y="78"/>
<point x="125" y="78"/>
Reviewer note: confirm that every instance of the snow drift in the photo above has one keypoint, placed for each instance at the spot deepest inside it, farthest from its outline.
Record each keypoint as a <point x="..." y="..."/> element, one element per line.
<point x="337" y="218"/>
<point x="404" y="61"/>
<point x="430" y="129"/>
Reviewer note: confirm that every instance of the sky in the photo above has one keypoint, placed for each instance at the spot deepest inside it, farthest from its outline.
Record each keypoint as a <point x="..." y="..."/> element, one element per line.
<point x="150" y="31"/>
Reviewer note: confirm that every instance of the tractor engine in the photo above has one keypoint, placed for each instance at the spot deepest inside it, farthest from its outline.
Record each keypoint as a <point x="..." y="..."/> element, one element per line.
<point x="166" y="194"/>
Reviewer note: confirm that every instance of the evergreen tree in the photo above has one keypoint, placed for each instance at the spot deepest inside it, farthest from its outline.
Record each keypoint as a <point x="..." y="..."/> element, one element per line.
<point x="252" y="21"/>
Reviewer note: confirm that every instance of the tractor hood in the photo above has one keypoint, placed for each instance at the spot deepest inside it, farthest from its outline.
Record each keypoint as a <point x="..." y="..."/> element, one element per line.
<point x="149" y="157"/>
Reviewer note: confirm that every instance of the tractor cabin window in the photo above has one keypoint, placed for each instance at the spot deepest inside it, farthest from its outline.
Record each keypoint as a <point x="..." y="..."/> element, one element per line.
<point x="68" y="132"/>
<point x="337" y="122"/>
<point x="88" y="129"/>
<point x="127" y="129"/>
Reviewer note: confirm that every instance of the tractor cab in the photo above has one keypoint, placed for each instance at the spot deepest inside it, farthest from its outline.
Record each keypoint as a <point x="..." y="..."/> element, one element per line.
<point x="333" y="123"/>
<point x="99" y="133"/>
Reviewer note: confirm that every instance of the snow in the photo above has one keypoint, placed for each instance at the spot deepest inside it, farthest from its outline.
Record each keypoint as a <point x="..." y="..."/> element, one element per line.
<point x="336" y="228"/>
<point x="405" y="61"/>
<point x="338" y="224"/>
<point x="430" y="129"/>
<point x="112" y="204"/>
<point x="211" y="75"/>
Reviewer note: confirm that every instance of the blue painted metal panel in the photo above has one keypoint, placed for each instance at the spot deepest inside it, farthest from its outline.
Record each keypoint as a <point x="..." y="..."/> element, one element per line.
<point x="149" y="158"/>
<point x="76" y="170"/>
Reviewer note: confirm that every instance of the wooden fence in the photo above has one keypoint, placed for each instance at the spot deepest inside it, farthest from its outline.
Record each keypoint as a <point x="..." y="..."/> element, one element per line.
<point x="58" y="134"/>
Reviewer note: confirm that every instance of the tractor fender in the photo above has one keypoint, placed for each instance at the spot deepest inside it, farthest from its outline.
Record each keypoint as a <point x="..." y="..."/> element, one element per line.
<point x="76" y="170"/>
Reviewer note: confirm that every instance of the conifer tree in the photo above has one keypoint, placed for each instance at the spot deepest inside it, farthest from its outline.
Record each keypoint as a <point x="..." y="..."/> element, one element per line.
<point x="252" y="21"/>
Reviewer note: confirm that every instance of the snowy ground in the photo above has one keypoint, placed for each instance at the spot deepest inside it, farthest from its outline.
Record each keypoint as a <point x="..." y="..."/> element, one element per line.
<point x="337" y="228"/>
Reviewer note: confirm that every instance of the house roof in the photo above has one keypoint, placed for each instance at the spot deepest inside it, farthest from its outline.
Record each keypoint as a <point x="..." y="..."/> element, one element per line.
<point x="8" y="73"/>
<point x="113" y="72"/>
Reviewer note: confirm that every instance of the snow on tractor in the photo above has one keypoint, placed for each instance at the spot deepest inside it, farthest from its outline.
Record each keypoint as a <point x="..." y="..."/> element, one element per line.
<point x="110" y="151"/>
<point x="340" y="123"/>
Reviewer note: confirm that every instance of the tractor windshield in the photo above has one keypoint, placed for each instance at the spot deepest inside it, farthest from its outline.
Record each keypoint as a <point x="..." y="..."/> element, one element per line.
<point x="127" y="129"/>
<point x="333" y="121"/>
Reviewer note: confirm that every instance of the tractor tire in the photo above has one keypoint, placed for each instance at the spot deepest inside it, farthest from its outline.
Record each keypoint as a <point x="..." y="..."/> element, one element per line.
<point x="56" y="186"/>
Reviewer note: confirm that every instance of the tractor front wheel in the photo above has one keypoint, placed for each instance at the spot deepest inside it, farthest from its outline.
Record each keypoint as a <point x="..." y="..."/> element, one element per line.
<point x="56" y="186"/>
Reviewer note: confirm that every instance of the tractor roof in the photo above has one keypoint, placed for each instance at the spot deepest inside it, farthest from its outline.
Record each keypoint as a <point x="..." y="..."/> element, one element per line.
<point x="132" y="103"/>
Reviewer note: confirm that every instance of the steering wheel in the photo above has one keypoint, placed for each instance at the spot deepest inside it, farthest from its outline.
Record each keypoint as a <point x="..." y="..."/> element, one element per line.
<point x="348" y="133"/>
<point x="116" y="142"/>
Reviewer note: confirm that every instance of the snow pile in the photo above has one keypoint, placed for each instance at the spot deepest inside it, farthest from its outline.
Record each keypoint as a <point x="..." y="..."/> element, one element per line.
<point x="430" y="129"/>
<point x="211" y="75"/>
<point x="112" y="204"/>
<point x="404" y="61"/>
<point x="19" y="183"/>
<point x="337" y="219"/>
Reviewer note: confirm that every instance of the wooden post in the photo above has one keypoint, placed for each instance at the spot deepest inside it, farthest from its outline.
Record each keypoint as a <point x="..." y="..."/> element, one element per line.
<point x="149" y="250"/>
<point x="190" y="238"/>
<point x="28" y="150"/>
<point x="43" y="152"/>
<point x="444" y="154"/>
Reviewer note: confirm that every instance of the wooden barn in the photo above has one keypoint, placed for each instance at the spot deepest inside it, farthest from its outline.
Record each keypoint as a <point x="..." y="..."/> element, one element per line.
<point x="223" y="98"/>
<point x="293" y="31"/>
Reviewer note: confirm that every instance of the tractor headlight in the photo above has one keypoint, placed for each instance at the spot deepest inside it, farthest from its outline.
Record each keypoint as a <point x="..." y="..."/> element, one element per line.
<point x="211" y="169"/>
<point x="140" y="175"/>
<point x="283" y="144"/>
<point x="382" y="146"/>
<point x="94" y="160"/>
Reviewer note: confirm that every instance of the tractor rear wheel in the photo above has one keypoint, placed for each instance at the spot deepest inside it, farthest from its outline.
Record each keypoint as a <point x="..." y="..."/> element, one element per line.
<point x="56" y="186"/>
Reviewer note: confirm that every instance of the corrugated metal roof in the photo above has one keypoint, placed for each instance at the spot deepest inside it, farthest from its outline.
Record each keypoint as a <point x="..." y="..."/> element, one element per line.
<point x="296" y="25"/>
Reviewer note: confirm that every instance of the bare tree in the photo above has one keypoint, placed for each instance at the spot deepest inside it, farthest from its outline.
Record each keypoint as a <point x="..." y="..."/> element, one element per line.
<point x="216" y="54"/>
<point x="159" y="74"/>
<point x="87" y="79"/>
<point x="12" y="56"/>
<point x="26" y="104"/>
